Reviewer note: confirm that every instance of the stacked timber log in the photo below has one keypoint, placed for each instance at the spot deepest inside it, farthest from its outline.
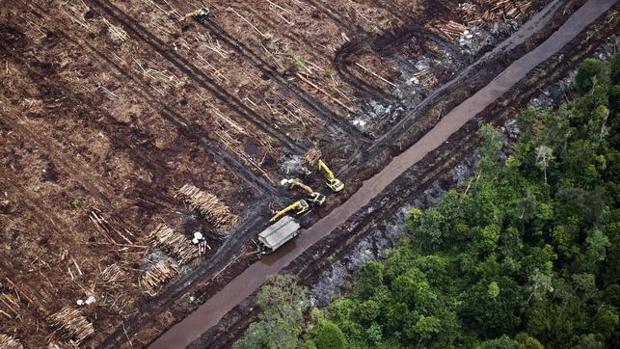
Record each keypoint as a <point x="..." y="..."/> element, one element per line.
<point x="177" y="245"/>
<point x="311" y="156"/>
<point x="157" y="275"/>
<point x="73" y="325"/>
<point x="8" y="342"/>
<point x="451" y="30"/>
<point x="209" y="205"/>
<point x="480" y="11"/>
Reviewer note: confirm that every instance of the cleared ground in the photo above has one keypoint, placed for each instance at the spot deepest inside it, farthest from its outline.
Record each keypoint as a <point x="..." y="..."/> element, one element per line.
<point x="108" y="108"/>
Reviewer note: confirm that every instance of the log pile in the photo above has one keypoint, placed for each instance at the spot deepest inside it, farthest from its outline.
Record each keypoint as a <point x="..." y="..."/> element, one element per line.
<point x="177" y="245"/>
<point x="157" y="275"/>
<point x="451" y="30"/>
<point x="73" y="325"/>
<point x="311" y="157"/>
<point x="8" y="342"/>
<point x="426" y="79"/>
<point x="217" y="212"/>
<point x="480" y="11"/>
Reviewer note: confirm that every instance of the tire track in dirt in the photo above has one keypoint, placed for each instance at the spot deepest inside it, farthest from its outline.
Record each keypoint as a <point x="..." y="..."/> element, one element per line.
<point x="538" y="20"/>
<point x="384" y="44"/>
<point x="317" y="51"/>
<point x="188" y="129"/>
<point x="306" y="99"/>
<point x="353" y="28"/>
<point x="393" y="10"/>
<point x="341" y="66"/>
<point x="197" y="75"/>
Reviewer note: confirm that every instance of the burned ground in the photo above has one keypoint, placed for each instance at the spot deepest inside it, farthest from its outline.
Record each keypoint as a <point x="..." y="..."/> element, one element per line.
<point x="110" y="107"/>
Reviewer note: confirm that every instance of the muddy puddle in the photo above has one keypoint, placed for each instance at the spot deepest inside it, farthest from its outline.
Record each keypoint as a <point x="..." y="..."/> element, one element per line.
<point x="210" y="313"/>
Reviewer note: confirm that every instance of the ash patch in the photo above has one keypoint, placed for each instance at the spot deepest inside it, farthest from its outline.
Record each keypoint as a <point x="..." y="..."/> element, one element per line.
<point x="375" y="246"/>
<point x="329" y="285"/>
<point x="293" y="166"/>
<point x="554" y="95"/>
<point x="375" y="113"/>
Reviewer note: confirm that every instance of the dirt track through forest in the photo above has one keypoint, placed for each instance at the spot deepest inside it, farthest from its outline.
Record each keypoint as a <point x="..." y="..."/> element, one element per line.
<point x="252" y="278"/>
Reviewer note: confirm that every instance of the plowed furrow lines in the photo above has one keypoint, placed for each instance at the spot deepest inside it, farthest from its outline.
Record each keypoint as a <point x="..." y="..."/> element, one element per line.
<point x="147" y="156"/>
<point x="194" y="73"/>
<point x="319" y="108"/>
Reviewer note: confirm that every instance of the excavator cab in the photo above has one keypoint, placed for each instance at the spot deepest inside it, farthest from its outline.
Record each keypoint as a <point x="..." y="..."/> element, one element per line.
<point x="317" y="198"/>
<point x="332" y="182"/>
<point x="314" y="197"/>
<point x="298" y="207"/>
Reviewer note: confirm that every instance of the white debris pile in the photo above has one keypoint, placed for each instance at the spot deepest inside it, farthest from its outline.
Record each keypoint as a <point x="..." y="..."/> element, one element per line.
<point x="86" y="301"/>
<point x="198" y="237"/>
<point x="293" y="165"/>
<point x="473" y="39"/>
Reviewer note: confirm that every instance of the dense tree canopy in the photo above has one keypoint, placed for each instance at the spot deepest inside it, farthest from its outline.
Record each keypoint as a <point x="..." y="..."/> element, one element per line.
<point x="528" y="257"/>
<point x="283" y="303"/>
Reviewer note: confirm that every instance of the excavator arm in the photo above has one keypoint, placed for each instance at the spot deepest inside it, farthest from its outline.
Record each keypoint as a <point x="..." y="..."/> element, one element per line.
<point x="300" y="207"/>
<point x="333" y="183"/>
<point x="314" y="197"/>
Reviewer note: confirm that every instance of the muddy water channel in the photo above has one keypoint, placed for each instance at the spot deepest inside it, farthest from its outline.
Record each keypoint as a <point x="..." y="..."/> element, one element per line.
<point x="210" y="313"/>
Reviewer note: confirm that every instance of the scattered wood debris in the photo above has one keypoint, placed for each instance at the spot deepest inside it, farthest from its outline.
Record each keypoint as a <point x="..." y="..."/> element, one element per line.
<point x="311" y="156"/>
<point x="72" y="324"/>
<point x="62" y="345"/>
<point x="450" y="29"/>
<point x="9" y="306"/>
<point x="117" y="34"/>
<point x="8" y="342"/>
<point x="480" y="11"/>
<point x="166" y="239"/>
<point x="157" y="275"/>
<point x="110" y="229"/>
<point x="209" y="205"/>
<point x="197" y="14"/>
<point x="426" y="79"/>
<point x="112" y="274"/>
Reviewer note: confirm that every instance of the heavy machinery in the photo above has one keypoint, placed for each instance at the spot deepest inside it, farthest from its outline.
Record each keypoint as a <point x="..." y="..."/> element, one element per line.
<point x="314" y="197"/>
<point x="278" y="234"/>
<point x="299" y="207"/>
<point x="333" y="183"/>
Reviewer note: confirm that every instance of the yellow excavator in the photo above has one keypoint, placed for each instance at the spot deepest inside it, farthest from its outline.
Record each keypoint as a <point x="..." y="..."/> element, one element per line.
<point x="332" y="182"/>
<point x="314" y="197"/>
<point x="299" y="207"/>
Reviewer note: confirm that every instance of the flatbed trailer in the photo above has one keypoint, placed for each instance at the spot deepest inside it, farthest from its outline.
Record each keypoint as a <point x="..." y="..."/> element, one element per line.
<point x="278" y="234"/>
